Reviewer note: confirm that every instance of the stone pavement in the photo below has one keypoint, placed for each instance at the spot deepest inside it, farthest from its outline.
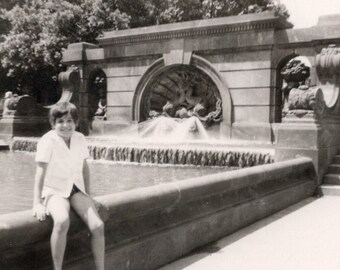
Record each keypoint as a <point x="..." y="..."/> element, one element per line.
<point x="303" y="236"/>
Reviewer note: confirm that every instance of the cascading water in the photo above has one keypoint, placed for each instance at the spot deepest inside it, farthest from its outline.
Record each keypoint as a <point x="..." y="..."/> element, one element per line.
<point x="164" y="154"/>
<point x="168" y="129"/>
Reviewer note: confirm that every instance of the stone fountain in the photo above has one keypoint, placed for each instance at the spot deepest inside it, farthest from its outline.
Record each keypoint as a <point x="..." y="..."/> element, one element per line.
<point x="237" y="91"/>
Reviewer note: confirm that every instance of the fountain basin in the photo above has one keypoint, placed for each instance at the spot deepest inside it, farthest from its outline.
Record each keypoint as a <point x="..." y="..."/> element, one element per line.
<point x="149" y="227"/>
<point x="145" y="151"/>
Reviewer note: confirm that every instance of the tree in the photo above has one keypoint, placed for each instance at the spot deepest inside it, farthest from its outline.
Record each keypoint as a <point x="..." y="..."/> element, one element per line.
<point x="40" y="29"/>
<point x="150" y="12"/>
<point x="9" y="4"/>
<point x="180" y="10"/>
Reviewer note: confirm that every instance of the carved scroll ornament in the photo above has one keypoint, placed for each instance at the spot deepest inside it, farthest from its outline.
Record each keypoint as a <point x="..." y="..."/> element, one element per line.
<point x="328" y="61"/>
<point x="69" y="81"/>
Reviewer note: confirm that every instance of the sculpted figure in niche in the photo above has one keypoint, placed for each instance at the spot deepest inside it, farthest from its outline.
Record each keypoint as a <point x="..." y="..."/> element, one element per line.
<point x="294" y="75"/>
<point x="298" y="97"/>
<point x="99" y="84"/>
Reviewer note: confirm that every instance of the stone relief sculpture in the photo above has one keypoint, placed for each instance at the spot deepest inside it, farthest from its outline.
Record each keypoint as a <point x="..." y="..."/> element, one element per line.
<point x="185" y="93"/>
<point x="299" y="98"/>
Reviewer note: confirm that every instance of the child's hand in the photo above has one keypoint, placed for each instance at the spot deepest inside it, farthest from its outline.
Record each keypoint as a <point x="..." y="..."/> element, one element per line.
<point x="40" y="212"/>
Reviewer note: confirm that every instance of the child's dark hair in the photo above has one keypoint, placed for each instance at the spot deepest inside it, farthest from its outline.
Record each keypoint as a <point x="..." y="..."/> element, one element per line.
<point x="63" y="108"/>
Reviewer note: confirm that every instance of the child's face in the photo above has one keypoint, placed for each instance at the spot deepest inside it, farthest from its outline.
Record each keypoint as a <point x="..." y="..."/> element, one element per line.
<point x="65" y="126"/>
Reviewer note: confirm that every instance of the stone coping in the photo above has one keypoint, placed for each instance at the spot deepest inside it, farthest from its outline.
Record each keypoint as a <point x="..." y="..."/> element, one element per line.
<point x="149" y="227"/>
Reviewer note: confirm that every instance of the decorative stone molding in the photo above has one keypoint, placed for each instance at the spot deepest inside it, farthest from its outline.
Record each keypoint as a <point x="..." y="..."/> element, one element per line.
<point x="328" y="69"/>
<point x="186" y="33"/>
<point x="328" y="61"/>
<point x="218" y="26"/>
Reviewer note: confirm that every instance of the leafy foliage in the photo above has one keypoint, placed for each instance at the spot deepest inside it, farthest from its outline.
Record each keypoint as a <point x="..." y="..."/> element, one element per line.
<point x="35" y="32"/>
<point x="151" y="12"/>
<point x="40" y="29"/>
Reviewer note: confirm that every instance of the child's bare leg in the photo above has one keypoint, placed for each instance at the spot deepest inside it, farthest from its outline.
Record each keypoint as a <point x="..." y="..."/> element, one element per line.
<point x="59" y="209"/>
<point x="85" y="208"/>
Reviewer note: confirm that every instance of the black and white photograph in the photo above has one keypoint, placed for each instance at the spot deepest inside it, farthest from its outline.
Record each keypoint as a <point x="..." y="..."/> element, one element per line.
<point x="169" y="134"/>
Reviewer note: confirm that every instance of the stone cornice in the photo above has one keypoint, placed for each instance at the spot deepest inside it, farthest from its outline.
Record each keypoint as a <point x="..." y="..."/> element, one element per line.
<point x="218" y="26"/>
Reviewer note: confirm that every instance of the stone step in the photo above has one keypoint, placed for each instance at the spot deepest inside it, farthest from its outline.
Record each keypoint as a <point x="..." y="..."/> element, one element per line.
<point x="330" y="190"/>
<point x="334" y="169"/>
<point x="331" y="179"/>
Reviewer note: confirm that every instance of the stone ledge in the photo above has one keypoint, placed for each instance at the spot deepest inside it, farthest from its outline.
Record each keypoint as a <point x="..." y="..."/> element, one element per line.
<point x="149" y="227"/>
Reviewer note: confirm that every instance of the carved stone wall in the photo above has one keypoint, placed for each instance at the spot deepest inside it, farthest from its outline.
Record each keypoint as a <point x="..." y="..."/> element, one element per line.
<point x="181" y="92"/>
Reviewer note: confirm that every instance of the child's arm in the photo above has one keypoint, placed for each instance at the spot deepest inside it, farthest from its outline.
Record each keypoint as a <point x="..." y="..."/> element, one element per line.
<point x="39" y="210"/>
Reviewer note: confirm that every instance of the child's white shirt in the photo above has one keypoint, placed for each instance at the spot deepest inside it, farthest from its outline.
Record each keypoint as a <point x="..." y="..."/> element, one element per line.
<point x="65" y="165"/>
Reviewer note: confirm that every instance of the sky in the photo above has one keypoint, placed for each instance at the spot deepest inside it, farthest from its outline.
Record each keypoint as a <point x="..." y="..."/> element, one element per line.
<point x="305" y="13"/>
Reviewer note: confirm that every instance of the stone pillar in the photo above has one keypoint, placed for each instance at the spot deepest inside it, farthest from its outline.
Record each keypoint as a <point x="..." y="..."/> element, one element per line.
<point x="312" y="121"/>
<point x="308" y="137"/>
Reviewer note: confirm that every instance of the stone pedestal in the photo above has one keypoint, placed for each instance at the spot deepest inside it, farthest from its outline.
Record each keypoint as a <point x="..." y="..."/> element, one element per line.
<point x="305" y="137"/>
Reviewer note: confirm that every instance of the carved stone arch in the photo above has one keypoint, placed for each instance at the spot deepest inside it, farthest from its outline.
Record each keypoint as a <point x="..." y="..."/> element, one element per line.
<point x="97" y="91"/>
<point x="138" y="101"/>
<point x="278" y="87"/>
<point x="141" y="100"/>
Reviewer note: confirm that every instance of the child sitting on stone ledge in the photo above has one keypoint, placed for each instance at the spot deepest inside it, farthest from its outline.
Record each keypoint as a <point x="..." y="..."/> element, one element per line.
<point x="62" y="181"/>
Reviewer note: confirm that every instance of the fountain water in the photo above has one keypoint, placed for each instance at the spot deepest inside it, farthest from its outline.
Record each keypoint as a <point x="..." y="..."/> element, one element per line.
<point x="191" y="154"/>
<point x="168" y="129"/>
